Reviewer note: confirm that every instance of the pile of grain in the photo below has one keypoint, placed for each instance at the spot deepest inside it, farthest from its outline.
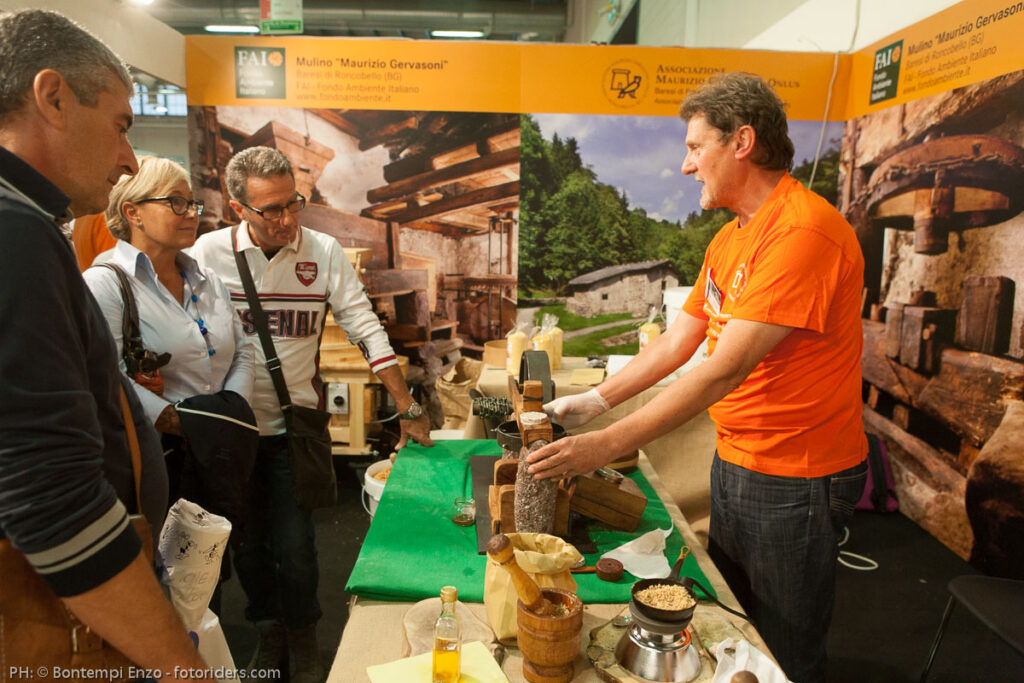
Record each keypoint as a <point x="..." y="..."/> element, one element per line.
<point x="382" y="475"/>
<point x="666" y="596"/>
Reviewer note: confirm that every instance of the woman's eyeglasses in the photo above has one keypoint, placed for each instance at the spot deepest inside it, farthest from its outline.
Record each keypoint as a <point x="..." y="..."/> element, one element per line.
<point x="179" y="205"/>
<point x="275" y="213"/>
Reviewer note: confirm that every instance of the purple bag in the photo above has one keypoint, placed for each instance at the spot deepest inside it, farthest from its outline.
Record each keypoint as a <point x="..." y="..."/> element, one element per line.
<point x="879" y="494"/>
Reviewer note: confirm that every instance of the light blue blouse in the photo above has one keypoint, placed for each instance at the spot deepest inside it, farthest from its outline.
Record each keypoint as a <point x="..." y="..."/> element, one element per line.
<point x="200" y="363"/>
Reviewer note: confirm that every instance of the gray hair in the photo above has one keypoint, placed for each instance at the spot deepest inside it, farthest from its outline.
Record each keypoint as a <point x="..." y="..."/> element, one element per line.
<point x="32" y="40"/>
<point x="155" y="178"/>
<point x="731" y="100"/>
<point x="254" y="162"/>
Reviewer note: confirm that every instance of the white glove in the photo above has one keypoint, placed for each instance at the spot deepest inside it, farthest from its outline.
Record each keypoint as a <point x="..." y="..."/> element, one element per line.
<point x="577" y="409"/>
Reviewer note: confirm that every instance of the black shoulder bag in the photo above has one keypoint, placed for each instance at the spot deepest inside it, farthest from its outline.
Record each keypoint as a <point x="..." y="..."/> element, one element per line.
<point x="309" y="439"/>
<point x="142" y="364"/>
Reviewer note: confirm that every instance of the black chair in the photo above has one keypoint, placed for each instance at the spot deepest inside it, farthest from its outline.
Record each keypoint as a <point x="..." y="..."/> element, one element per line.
<point x="997" y="603"/>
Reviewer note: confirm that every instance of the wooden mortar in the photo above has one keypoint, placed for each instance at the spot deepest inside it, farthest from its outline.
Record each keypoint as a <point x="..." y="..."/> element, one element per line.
<point x="500" y="549"/>
<point x="550" y="644"/>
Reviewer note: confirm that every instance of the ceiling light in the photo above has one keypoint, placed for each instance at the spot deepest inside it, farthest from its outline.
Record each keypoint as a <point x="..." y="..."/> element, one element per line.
<point x="456" y="34"/>
<point x="231" y="28"/>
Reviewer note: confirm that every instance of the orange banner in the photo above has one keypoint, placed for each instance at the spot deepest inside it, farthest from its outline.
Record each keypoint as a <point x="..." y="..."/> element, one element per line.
<point x="973" y="41"/>
<point x="970" y="42"/>
<point x="338" y="73"/>
<point x="612" y="79"/>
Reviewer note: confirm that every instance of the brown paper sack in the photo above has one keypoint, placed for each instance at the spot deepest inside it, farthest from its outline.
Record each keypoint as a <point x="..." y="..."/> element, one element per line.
<point x="546" y="559"/>
<point x="453" y="391"/>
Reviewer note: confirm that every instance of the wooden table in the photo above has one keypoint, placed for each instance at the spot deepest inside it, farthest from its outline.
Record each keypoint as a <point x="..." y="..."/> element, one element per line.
<point x="374" y="632"/>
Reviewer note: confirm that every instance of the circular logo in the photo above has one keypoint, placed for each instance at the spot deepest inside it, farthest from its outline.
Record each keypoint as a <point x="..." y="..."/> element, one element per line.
<point x="896" y="52"/>
<point x="625" y="83"/>
<point x="275" y="58"/>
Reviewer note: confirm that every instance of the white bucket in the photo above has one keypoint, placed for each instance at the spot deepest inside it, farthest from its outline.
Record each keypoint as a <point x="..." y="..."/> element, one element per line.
<point x="673" y="299"/>
<point x="373" y="489"/>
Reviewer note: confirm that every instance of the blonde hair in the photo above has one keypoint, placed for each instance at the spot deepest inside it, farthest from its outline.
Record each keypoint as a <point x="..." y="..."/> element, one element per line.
<point x="155" y="178"/>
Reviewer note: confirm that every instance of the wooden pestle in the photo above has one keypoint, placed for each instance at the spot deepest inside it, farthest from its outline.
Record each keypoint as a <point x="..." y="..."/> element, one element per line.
<point x="743" y="677"/>
<point x="500" y="549"/>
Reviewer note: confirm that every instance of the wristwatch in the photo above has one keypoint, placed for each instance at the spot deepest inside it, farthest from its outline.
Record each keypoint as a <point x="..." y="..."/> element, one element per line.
<point x="412" y="412"/>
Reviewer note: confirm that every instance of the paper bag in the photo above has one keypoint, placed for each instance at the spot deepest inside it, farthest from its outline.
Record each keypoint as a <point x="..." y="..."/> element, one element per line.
<point x="192" y="544"/>
<point x="453" y="391"/>
<point x="546" y="559"/>
<point x="213" y="646"/>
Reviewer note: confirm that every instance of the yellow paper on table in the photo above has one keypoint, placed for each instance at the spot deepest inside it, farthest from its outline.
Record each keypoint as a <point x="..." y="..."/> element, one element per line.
<point x="587" y="377"/>
<point x="478" y="666"/>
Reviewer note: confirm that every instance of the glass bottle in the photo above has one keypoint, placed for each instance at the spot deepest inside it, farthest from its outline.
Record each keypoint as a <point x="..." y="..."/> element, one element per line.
<point x="447" y="640"/>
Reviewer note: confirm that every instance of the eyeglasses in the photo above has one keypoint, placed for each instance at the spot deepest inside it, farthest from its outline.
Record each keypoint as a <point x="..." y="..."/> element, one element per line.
<point x="276" y="213"/>
<point x="179" y="205"/>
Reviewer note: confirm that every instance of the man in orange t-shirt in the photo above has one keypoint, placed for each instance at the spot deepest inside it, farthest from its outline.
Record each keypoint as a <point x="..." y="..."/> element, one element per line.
<point x="91" y="238"/>
<point x="778" y="300"/>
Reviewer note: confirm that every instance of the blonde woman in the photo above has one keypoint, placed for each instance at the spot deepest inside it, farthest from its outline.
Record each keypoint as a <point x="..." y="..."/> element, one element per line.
<point x="183" y="310"/>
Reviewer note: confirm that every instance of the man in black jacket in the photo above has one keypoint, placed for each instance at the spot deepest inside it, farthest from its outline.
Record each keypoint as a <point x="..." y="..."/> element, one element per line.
<point x="65" y="477"/>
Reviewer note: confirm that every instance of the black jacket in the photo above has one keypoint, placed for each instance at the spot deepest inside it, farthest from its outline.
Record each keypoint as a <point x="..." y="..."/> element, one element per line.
<point x="220" y="444"/>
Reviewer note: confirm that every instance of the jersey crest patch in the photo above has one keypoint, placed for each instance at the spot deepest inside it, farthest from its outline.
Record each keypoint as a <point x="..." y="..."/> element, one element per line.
<point x="306" y="272"/>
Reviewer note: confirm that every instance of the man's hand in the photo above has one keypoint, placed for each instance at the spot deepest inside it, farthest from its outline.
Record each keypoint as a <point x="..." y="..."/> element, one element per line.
<point x="577" y="409"/>
<point x="168" y="422"/>
<point x="418" y="430"/>
<point x="572" y="455"/>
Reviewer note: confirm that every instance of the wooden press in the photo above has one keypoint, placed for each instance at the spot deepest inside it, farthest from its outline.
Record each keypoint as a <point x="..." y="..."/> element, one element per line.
<point x="605" y="495"/>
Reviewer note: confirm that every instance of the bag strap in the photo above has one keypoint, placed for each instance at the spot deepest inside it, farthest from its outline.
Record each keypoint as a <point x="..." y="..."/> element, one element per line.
<point x="133" y="448"/>
<point x="272" y="362"/>
<point x="880" y="489"/>
<point x="130" y="332"/>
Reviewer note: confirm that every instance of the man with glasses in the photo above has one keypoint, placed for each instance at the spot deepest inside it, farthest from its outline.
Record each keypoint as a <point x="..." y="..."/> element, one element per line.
<point x="299" y="274"/>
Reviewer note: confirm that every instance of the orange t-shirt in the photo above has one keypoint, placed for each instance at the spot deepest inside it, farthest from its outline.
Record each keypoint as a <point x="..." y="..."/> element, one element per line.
<point x="91" y="238"/>
<point x="796" y="263"/>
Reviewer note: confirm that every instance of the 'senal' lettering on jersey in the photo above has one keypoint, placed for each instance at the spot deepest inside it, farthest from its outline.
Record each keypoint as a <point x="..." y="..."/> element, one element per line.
<point x="284" y="322"/>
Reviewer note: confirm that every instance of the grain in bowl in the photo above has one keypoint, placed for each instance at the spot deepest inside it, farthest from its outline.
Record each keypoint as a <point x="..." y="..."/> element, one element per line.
<point x="666" y="596"/>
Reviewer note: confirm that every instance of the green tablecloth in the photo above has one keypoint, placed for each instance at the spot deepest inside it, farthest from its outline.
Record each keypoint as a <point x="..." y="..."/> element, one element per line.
<point x="413" y="549"/>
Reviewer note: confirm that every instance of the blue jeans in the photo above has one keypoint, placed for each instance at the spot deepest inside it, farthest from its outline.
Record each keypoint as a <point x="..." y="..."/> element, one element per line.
<point x="775" y="540"/>
<point x="276" y="556"/>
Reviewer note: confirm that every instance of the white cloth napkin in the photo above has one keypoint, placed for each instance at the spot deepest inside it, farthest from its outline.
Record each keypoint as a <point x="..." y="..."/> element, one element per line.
<point x="644" y="556"/>
<point x="739" y="655"/>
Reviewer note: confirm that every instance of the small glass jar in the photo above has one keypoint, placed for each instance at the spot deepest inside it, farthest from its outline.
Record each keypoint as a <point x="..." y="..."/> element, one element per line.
<point x="464" y="511"/>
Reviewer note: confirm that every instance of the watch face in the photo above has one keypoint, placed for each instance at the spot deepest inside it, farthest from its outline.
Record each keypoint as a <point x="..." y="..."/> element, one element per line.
<point x="414" y="411"/>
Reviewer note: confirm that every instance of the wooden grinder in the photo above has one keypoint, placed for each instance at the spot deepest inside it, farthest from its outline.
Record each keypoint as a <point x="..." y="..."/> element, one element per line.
<point x="549" y="620"/>
<point x="535" y="499"/>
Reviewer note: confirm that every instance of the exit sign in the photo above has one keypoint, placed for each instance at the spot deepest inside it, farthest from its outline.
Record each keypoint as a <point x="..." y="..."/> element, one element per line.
<point x="280" y="16"/>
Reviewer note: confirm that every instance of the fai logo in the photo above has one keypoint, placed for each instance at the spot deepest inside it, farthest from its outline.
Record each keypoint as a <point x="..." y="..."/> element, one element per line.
<point x="625" y="83"/>
<point x="886" y="75"/>
<point x="306" y="272"/>
<point x="259" y="72"/>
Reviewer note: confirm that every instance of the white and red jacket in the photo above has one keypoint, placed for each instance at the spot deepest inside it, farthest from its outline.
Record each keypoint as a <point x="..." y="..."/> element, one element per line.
<point x="296" y="287"/>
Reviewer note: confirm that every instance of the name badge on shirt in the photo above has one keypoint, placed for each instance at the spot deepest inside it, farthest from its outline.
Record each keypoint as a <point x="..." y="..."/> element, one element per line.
<point x="712" y="294"/>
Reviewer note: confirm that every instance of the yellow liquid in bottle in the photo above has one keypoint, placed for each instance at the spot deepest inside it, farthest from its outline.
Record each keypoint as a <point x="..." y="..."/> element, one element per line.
<point x="516" y="343"/>
<point x="648" y="333"/>
<point x="446" y="661"/>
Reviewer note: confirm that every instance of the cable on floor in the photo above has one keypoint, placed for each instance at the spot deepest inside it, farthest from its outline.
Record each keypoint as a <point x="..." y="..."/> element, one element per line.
<point x="853" y="560"/>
